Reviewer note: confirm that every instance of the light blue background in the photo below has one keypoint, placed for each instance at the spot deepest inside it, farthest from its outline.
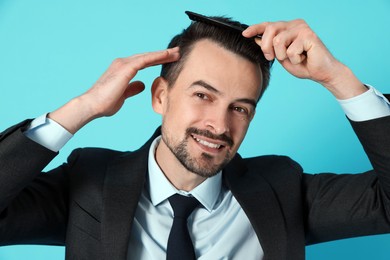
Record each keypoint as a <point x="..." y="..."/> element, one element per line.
<point x="51" y="51"/>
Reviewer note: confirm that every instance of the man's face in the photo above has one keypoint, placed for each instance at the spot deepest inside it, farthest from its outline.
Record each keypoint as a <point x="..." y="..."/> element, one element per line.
<point x="207" y="112"/>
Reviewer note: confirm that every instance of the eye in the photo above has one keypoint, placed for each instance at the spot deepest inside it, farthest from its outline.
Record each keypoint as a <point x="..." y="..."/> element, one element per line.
<point x="201" y="95"/>
<point x="241" y="110"/>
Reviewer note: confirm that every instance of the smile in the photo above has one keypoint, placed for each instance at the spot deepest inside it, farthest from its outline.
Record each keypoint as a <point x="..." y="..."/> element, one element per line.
<point x="206" y="143"/>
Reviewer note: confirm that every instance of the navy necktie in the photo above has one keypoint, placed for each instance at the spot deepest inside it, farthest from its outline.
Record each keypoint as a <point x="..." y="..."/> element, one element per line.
<point x="179" y="242"/>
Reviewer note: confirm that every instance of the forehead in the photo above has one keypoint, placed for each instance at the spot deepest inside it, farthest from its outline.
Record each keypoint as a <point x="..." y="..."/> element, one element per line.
<point x="222" y="68"/>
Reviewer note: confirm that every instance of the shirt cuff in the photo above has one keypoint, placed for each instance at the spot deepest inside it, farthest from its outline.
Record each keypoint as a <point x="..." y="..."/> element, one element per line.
<point x="369" y="105"/>
<point x="48" y="133"/>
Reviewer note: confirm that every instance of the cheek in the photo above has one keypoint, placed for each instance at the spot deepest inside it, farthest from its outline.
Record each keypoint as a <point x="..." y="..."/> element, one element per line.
<point x="185" y="111"/>
<point x="238" y="130"/>
<point x="179" y="115"/>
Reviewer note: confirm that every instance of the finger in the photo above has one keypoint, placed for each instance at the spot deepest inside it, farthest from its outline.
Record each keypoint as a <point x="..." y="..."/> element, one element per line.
<point x="170" y="56"/>
<point x="254" y="30"/>
<point x="269" y="31"/>
<point x="267" y="42"/>
<point x="298" y="70"/>
<point x="144" y="60"/>
<point x="129" y="66"/>
<point x="296" y="51"/>
<point x="282" y="41"/>
<point x="280" y="45"/>
<point x="259" y="29"/>
<point x="165" y="51"/>
<point x="134" y="88"/>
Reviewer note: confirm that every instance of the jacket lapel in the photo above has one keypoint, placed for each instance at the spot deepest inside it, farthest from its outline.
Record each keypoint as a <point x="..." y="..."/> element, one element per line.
<point x="125" y="181"/>
<point x="123" y="186"/>
<point x="259" y="202"/>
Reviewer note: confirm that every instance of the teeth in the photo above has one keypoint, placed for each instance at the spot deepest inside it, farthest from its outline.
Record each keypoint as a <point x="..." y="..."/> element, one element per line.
<point x="205" y="143"/>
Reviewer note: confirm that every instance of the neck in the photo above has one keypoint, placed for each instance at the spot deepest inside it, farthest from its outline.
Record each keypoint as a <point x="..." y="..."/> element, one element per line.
<point x="175" y="172"/>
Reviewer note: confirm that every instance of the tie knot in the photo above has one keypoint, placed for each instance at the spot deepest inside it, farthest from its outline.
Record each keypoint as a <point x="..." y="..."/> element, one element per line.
<point x="182" y="205"/>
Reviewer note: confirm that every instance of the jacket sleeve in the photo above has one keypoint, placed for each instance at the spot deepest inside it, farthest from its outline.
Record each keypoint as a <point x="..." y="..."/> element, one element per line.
<point x="26" y="216"/>
<point x="349" y="205"/>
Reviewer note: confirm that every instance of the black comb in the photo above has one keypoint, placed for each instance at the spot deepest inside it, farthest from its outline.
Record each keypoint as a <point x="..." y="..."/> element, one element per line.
<point x="205" y="19"/>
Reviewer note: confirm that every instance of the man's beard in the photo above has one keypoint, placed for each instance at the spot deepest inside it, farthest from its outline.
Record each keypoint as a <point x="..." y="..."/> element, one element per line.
<point x="201" y="166"/>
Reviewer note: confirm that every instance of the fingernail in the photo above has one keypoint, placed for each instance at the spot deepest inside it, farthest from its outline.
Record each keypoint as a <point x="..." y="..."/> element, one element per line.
<point x="268" y="56"/>
<point x="245" y="32"/>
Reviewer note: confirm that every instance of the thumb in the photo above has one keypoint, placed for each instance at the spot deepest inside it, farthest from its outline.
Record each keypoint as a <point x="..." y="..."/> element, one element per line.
<point x="134" y="88"/>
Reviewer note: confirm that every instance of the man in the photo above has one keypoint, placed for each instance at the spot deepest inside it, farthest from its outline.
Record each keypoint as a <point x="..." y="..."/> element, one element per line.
<point x="106" y="204"/>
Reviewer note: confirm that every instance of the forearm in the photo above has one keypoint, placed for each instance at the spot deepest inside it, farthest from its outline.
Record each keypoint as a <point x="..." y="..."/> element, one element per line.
<point x="375" y="139"/>
<point x="369" y="114"/>
<point x="349" y="205"/>
<point x="32" y="205"/>
<point x="21" y="160"/>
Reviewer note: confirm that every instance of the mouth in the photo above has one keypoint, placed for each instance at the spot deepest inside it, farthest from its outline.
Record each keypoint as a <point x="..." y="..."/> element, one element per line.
<point x="212" y="144"/>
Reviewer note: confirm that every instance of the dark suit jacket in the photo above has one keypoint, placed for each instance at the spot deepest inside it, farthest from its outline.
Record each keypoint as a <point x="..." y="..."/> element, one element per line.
<point x="88" y="203"/>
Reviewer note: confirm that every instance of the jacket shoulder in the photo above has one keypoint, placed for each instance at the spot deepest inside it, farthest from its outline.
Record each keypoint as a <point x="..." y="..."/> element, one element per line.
<point x="93" y="156"/>
<point x="276" y="169"/>
<point x="277" y="163"/>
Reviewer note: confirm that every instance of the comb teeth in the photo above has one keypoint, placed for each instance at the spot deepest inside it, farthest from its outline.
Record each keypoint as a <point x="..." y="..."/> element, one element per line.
<point x="209" y="20"/>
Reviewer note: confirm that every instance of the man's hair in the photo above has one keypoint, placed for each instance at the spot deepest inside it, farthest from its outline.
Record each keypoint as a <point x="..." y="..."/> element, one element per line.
<point x="229" y="39"/>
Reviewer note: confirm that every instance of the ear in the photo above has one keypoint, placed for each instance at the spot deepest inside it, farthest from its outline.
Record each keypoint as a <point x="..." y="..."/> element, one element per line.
<point x="159" y="94"/>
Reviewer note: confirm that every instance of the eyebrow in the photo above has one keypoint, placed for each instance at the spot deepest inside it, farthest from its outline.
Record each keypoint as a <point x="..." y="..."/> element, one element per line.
<point x="207" y="86"/>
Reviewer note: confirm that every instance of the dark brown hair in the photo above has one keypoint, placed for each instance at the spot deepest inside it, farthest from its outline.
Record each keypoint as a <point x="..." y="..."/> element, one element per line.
<point x="229" y="39"/>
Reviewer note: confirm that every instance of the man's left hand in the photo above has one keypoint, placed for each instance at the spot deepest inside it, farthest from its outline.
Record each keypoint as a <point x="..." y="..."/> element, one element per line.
<point x="302" y="53"/>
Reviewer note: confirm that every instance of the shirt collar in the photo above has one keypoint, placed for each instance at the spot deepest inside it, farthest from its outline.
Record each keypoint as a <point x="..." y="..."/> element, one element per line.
<point x="161" y="189"/>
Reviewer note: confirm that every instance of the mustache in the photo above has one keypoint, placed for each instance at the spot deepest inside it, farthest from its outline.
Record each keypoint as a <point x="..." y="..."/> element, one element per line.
<point x="208" y="134"/>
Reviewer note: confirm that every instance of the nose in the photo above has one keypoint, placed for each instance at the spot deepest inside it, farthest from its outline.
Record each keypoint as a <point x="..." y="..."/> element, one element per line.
<point x="217" y="121"/>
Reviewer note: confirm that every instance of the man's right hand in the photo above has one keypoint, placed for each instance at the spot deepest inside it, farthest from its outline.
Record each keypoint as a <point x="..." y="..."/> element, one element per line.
<point x="108" y="94"/>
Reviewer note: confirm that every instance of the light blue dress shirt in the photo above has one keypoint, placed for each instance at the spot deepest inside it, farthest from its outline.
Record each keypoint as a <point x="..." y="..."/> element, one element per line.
<point x="219" y="228"/>
<point x="369" y="105"/>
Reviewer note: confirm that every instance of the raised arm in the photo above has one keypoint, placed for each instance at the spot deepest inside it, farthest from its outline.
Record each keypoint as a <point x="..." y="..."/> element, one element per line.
<point x="336" y="205"/>
<point x="108" y="94"/>
<point x="33" y="205"/>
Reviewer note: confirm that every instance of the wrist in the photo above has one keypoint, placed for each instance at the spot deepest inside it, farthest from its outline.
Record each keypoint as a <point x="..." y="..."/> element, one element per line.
<point x="344" y="84"/>
<point x="74" y="114"/>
